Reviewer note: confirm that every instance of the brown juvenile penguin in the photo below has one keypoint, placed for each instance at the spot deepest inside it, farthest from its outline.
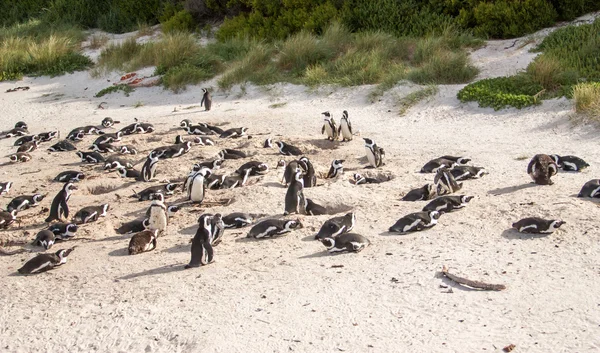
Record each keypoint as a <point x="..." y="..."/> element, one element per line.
<point x="541" y="168"/>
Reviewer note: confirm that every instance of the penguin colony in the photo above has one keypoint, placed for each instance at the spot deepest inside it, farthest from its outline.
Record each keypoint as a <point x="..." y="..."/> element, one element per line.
<point x="108" y="152"/>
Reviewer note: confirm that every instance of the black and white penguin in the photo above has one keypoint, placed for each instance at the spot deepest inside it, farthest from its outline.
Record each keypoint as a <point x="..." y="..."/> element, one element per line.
<point x="5" y="187"/>
<point x="7" y="218"/>
<point x="336" y="169"/>
<point x="234" y="132"/>
<point x="134" y="226"/>
<point x="445" y="204"/>
<point x="217" y="130"/>
<point x="129" y="129"/>
<point x="63" y="231"/>
<point x="360" y="179"/>
<point x="309" y="176"/>
<point x="256" y="168"/>
<point x="590" y="189"/>
<point x="104" y="148"/>
<point x="287" y="149"/>
<point x="60" y="208"/>
<point x="268" y="143"/>
<point x="202" y="243"/>
<point x="438" y="163"/>
<point x="426" y="192"/>
<point x="294" y="197"/>
<point x="19" y="157"/>
<point x="90" y="214"/>
<point x="314" y="209"/>
<point x="25" y="202"/>
<point x="569" y="163"/>
<point x="375" y="153"/>
<point x="109" y="122"/>
<point x="129" y="173"/>
<point x="272" y="227"/>
<point x="350" y="242"/>
<point x="336" y="226"/>
<point x="198" y="130"/>
<point x="330" y="128"/>
<point x="537" y="225"/>
<point x="128" y="149"/>
<point x="458" y="160"/>
<point x="48" y="136"/>
<point x="237" y="220"/>
<point x="21" y="125"/>
<point x="165" y="189"/>
<point x="158" y="218"/>
<point x="76" y="136"/>
<point x="467" y="172"/>
<point x="289" y="170"/>
<point x="445" y="182"/>
<point x="345" y="129"/>
<point x="45" y="262"/>
<point x="229" y="153"/>
<point x="15" y="132"/>
<point x="206" y="99"/>
<point x="541" y="168"/>
<point x="144" y="128"/>
<point x="415" y="222"/>
<point x="62" y="146"/>
<point x="90" y="157"/>
<point x="215" y="181"/>
<point x="25" y="139"/>
<point x="28" y="147"/>
<point x="204" y="141"/>
<point x="234" y="180"/>
<point x="149" y="167"/>
<point x="177" y="150"/>
<point x="44" y="238"/>
<point x="195" y="185"/>
<point x="114" y="162"/>
<point x="142" y="241"/>
<point x="108" y="138"/>
<point x="69" y="175"/>
<point x="212" y="164"/>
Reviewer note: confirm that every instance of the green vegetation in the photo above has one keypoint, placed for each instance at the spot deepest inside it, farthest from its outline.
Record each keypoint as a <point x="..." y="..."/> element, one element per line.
<point x="569" y="55"/>
<point x="115" y="88"/>
<point x="415" y="97"/>
<point x="587" y="99"/>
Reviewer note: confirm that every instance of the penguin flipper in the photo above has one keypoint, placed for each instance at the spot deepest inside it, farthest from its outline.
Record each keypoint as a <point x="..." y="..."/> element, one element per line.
<point x="203" y="99"/>
<point x="323" y="130"/>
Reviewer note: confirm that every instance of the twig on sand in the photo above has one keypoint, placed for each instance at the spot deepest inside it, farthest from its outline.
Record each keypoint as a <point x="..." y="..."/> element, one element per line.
<point x="470" y="283"/>
<point x="14" y="252"/>
<point x="514" y="43"/>
<point x="33" y="172"/>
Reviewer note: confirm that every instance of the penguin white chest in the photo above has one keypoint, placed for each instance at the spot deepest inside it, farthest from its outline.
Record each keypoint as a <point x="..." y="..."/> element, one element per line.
<point x="346" y="131"/>
<point x="197" y="189"/>
<point x="158" y="219"/>
<point x="328" y="130"/>
<point x="371" y="157"/>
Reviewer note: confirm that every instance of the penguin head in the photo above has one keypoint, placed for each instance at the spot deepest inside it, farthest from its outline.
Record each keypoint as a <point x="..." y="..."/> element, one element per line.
<point x="79" y="154"/>
<point x="369" y="142"/>
<point x="155" y="154"/>
<point x="7" y="187"/>
<point x="62" y="254"/>
<point x="204" y="90"/>
<point x="357" y="177"/>
<point x="79" y="136"/>
<point x="434" y="214"/>
<point x="185" y="123"/>
<point x="556" y="224"/>
<point x="304" y="160"/>
<point x="122" y="171"/>
<point x="280" y="164"/>
<point x="280" y="144"/>
<point x="466" y="199"/>
<point x="79" y="176"/>
<point x="178" y="139"/>
<point x="217" y="163"/>
<point x="124" y="150"/>
<point x="71" y="228"/>
<point x="13" y="158"/>
<point x="157" y="197"/>
<point x="328" y="242"/>
<point x="556" y="159"/>
<point x="293" y="224"/>
<point x="345" y="114"/>
<point x="105" y="209"/>
<point x="39" y="137"/>
<point x="188" y="145"/>
<point x="171" y="187"/>
<point x="21" y="125"/>
<point x="338" y="163"/>
<point x="107" y="122"/>
<point x="268" y="143"/>
<point x="326" y="114"/>
<point x="463" y="160"/>
<point x="69" y="186"/>
<point x="330" y="229"/>
<point x="38" y="197"/>
<point x="13" y="214"/>
<point x="262" y="168"/>
<point x="244" y="129"/>
<point x="553" y="169"/>
<point x="171" y="210"/>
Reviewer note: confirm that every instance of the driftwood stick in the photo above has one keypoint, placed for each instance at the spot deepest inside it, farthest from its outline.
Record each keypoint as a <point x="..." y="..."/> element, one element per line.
<point x="470" y="283"/>
<point x="14" y="252"/>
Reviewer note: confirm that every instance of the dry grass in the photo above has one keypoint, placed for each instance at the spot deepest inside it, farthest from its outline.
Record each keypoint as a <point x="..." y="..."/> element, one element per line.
<point x="98" y="41"/>
<point x="101" y="189"/>
<point x="587" y="99"/>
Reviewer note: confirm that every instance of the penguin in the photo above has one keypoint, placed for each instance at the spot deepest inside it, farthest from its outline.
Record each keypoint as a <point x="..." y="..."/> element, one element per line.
<point x="217" y="130"/>
<point x="287" y="149"/>
<point x="294" y="197"/>
<point x="69" y="175"/>
<point x="329" y="127"/>
<point x="172" y="209"/>
<point x="108" y="138"/>
<point x="21" y="125"/>
<point x="206" y="99"/>
<point x="25" y="139"/>
<point x="44" y="238"/>
<point x="234" y="132"/>
<point x="62" y="146"/>
<point x="5" y="187"/>
<point x="289" y="170"/>
<point x="426" y="192"/>
<point x="445" y="182"/>
<point x="158" y="219"/>
<point x="314" y="209"/>
<point x="590" y="189"/>
<point x="458" y="160"/>
<point x="541" y="168"/>
<point x="359" y="179"/>
<point x="336" y="226"/>
<point x="134" y="226"/>
<point x="445" y="204"/>
<point x="345" y="129"/>
<point x="48" y="136"/>
<point x="237" y="220"/>
<point x="229" y="153"/>
<point x="75" y="134"/>
<point x="15" y="132"/>
<point x="129" y="173"/>
<point x="415" y="222"/>
<point x="28" y="147"/>
<point x="22" y="203"/>
<point x="76" y="137"/>
<point x="198" y="130"/>
<point x="268" y="143"/>
<point x="129" y="129"/>
<point x="272" y="227"/>
<point x="63" y="231"/>
<point x="109" y="122"/>
<point x="204" y="141"/>
<point x="467" y="172"/>
<point x="104" y="148"/>
<point x="537" y="225"/>
<point x="90" y="214"/>
<point x="114" y="162"/>
<point x="375" y="153"/>
<point x="128" y="149"/>
<point x="215" y="181"/>
<point x="350" y="242"/>
<point x="256" y="168"/>
<point x="177" y="150"/>
<point x="45" y="262"/>
<point x="185" y="123"/>
<point x="60" y="208"/>
<point x="310" y="179"/>
<point x="235" y="180"/>
<point x="195" y="185"/>
<point x="7" y="218"/>
<point x="569" y="163"/>
<point x="19" y="157"/>
<point x="90" y="157"/>
<point x="212" y="165"/>
<point x="438" y="163"/>
<point x="143" y="241"/>
<point x="336" y="169"/>
<point x="144" y="128"/>
<point x="202" y="243"/>
<point x="149" y="167"/>
<point x="165" y="189"/>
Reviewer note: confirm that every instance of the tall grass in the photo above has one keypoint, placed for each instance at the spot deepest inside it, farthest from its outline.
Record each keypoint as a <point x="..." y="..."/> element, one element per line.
<point x="587" y="99"/>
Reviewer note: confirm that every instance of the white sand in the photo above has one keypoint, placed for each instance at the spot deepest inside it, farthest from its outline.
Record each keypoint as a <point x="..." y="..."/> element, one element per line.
<point x="282" y="294"/>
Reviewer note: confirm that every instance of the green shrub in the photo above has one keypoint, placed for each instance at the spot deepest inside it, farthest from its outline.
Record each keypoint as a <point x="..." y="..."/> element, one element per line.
<point x="500" y="92"/>
<point x="445" y="68"/>
<point x="569" y="9"/>
<point x="126" y="89"/>
<point x="177" y="78"/>
<point x="182" y="21"/>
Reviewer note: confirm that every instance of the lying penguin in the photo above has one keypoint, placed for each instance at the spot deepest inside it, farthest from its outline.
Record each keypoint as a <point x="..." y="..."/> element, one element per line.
<point x="569" y="163"/>
<point x="142" y="241"/>
<point x="467" y="172"/>
<point x="336" y="226"/>
<point x="272" y="227"/>
<point x="45" y="262"/>
<point x="350" y="242"/>
<point x="542" y="168"/>
<point x="537" y="225"/>
<point x="444" y="204"/>
<point x="426" y="192"/>
<point x="590" y="189"/>
<point x="415" y="222"/>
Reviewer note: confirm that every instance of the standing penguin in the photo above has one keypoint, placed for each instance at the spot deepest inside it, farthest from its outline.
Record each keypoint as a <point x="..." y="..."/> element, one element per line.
<point x="310" y="179"/>
<point x="202" y="243"/>
<point x="374" y="153"/>
<point x="142" y="241"/>
<point x="329" y="127"/>
<point x="345" y="129"/>
<point x="541" y="168"/>
<point x="158" y="218"/>
<point x="336" y="169"/>
<point x="59" y="208"/>
<point x="45" y="262"/>
<point x="294" y="197"/>
<point x="445" y="182"/>
<point x="149" y="167"/>
<point x="206" y="99"/>
<point x="195" y="185"/>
